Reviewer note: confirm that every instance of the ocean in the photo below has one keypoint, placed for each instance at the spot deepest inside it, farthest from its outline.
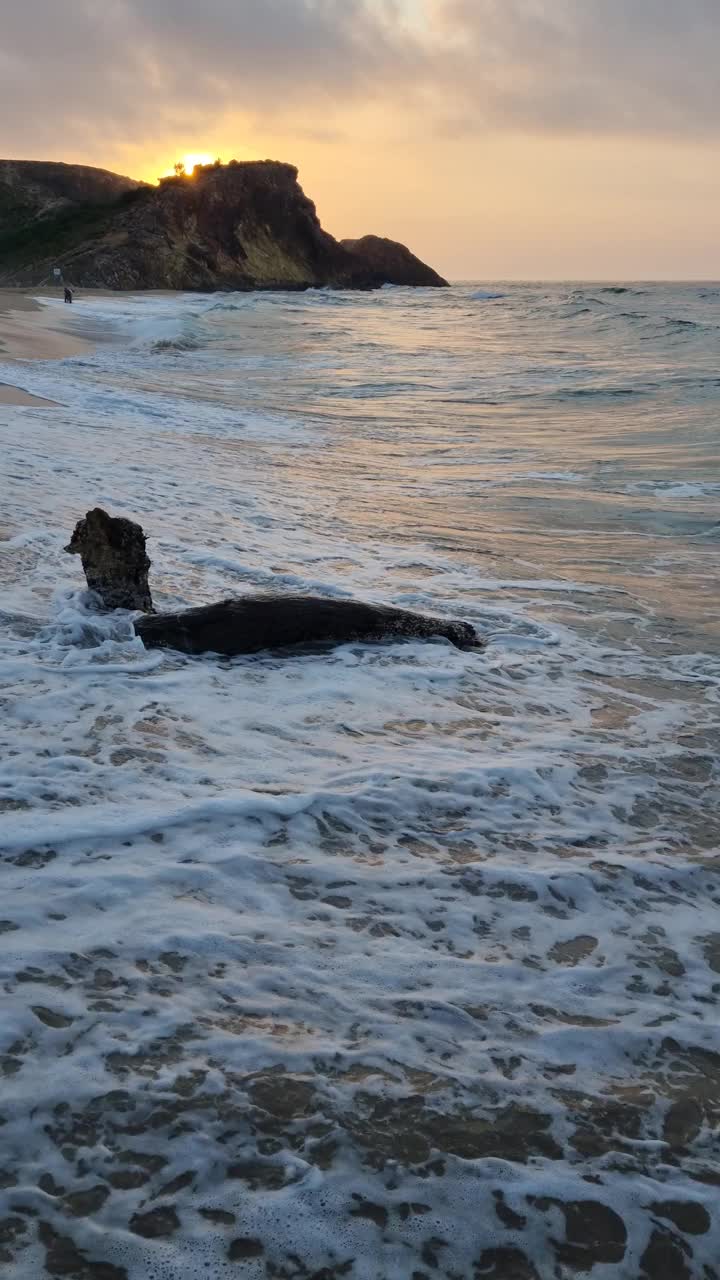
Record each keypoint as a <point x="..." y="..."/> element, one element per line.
<point x="390" y="961"/>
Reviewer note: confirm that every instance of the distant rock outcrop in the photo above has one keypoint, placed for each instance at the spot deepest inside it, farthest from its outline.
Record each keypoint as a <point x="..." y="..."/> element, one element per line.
<point x="242" y="225"/>
<point x="391" y="262"/>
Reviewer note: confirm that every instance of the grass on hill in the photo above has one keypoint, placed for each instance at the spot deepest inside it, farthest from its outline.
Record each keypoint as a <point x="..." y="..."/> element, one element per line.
<point x="56" y="234"/>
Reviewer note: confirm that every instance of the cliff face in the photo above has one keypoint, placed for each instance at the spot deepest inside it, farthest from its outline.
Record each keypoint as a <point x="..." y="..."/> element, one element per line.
<point x="237" y="226"/>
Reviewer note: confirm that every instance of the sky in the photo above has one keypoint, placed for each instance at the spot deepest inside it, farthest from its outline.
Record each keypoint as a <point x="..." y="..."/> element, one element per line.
<point x="525" y="139"/>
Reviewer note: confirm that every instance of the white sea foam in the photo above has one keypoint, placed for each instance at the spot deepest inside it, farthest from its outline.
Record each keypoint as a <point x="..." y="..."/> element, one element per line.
<point x="356" y="942"/>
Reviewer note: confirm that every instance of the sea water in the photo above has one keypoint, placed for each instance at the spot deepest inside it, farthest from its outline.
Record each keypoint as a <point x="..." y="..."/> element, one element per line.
<point x="390" y="960"/>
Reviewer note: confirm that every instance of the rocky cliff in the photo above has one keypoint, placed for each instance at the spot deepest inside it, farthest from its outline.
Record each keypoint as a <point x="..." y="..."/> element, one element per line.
<point x="237" y="226"/>
<point x="389" y="260"/>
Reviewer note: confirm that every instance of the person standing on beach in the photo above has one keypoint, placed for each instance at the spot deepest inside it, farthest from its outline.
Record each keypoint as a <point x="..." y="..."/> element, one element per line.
<point x="68" y="294"/>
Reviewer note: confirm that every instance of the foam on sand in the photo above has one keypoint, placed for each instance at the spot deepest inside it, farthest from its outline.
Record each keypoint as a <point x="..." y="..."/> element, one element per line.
<point x="392" y="960"/>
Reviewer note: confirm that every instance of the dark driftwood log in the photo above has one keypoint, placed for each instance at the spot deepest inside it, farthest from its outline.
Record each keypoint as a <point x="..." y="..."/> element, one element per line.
<point x="261" y="622"/>
<point x="116" y="567"/>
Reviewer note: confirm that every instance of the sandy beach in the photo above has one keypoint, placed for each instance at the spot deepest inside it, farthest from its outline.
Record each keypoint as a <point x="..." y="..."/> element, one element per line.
<point x="31" y="331"/>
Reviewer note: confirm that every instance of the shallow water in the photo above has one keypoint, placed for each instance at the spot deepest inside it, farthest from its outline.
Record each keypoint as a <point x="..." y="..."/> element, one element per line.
<point x="394" y="960"/>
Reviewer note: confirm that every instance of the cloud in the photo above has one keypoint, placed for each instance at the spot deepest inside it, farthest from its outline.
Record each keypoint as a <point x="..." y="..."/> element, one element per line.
<point x="86" y="74"/>
<point x="569" y="66"/>
<point x="92" y="68"/>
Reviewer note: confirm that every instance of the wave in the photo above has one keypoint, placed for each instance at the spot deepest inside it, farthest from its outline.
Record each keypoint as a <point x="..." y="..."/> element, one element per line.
<point x="666" y="323"/>
<point x="165" y="346"/>
<point x="581" y="295"/>
<point x="486" y="295"/>
<point x="328" y="297"/>
<point x="677" y="323"/>
<point x="582" y="393"/>
<point x="694" y="380"/>
<point x="675" y="488"/>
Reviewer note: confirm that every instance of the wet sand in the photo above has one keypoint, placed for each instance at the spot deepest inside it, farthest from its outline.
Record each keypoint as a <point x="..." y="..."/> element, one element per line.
<point x="30" y="331"/>
<point x="15" y="395"/>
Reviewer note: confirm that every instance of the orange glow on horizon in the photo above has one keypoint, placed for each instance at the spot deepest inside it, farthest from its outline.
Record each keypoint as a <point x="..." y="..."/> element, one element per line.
<point x="525" y="208"/>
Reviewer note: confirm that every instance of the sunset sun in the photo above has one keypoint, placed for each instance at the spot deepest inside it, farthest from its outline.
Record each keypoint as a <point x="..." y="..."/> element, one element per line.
<point x="196" y="157"/>
<point x="188" y="161"/>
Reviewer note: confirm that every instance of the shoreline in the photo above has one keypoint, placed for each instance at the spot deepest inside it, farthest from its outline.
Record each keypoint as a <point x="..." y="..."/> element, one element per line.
<point x="30" y="330"/>
<point x="21" y="399"/>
